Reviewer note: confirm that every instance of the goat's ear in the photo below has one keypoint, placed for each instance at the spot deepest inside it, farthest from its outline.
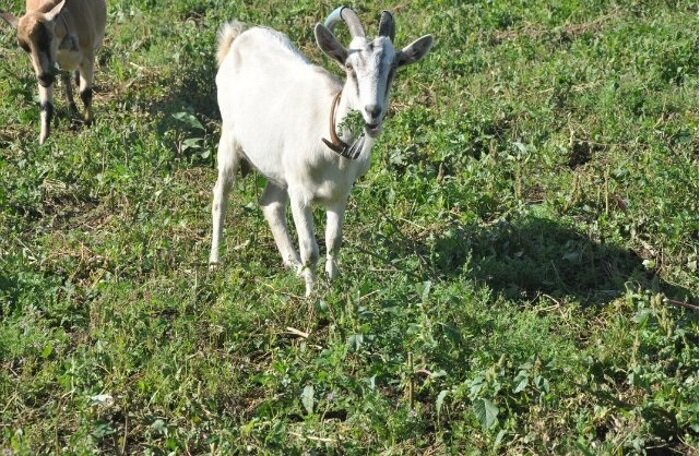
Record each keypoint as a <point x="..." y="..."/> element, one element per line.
<point x="414" y="51"/>
<point x="51" y="15"/>
<point x="329" y="45"/>
<point x="10" y="19"/>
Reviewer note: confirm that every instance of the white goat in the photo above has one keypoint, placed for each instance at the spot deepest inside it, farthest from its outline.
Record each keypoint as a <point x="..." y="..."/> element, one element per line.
<point x="67" y="32"/>
<point x="277" y="111"/>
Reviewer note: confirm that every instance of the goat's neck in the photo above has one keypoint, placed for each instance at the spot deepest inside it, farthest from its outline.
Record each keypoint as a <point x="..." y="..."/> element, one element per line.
<point x="345" y="107"/>
<point x="61" y="29"/>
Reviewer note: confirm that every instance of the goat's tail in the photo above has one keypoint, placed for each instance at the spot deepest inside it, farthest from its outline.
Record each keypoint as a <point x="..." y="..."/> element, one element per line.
<point x="227" y="33"/>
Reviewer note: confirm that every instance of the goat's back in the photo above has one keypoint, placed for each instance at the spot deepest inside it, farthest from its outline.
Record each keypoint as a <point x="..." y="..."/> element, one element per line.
<point x="87" y="18"/>
<point x="240" y="46"/>
<point x="273" y="101"/>
<point x="41" y="5"/>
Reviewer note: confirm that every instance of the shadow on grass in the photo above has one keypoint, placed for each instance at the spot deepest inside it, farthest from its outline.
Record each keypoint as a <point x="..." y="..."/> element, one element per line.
<point x="524" y="258"/>
<point x="194" y="95"/>
<point x="195" y="92"/>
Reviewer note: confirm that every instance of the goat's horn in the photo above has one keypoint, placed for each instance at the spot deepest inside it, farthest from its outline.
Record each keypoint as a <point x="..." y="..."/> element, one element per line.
<point x="386" y="25"/>
<point x="349" y="17"/>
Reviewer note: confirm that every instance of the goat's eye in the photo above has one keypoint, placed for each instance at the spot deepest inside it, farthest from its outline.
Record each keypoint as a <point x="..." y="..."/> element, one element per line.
<point x="348" y="67"/>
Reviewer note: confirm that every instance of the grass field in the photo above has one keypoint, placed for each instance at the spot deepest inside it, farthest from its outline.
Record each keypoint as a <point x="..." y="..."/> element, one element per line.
<point x="518" y="271"/>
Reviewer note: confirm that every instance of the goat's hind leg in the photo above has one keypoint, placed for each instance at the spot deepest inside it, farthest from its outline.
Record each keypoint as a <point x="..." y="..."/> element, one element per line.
<point x="228" y="158"/>
<point x="68" y="88"/>
<point x="87" y="74"/>
<point x="273" y="202"/>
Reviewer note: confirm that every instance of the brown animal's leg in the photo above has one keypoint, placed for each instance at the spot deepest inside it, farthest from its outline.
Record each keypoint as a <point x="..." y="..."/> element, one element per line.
<point x="65" y="79"/>
<point x="86" y="79"/>
<point x="46" y="107"/>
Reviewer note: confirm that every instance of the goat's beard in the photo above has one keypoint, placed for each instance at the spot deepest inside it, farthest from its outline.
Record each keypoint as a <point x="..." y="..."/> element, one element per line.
<point x="357" y="146"/>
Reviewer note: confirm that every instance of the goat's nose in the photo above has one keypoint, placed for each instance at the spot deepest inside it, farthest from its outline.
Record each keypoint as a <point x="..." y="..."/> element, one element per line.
<point x="373" y="110"/>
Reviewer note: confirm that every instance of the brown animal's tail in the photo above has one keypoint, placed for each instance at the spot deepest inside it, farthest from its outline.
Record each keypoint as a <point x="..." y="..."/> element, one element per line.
<point x="228" y="32"/>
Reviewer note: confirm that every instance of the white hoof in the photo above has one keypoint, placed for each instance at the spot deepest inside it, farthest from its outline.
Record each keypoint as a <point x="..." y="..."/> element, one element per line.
<point x="331" y="269"/>
<point x="308" y="275"/>
<point x="293" y="264"/>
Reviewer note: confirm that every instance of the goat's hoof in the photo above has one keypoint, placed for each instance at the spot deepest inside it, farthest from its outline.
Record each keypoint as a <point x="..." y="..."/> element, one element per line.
<point x="213" y="265"/>
<point x="309" y="289"/>
<point x="293" y="265"/>
<point x="300" y="269"/>
<point x="309" y="278"/>
<point x="331" y="270"/>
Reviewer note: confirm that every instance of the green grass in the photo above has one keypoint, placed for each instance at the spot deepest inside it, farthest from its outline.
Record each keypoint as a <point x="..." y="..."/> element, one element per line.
<point x="514" y="267"/>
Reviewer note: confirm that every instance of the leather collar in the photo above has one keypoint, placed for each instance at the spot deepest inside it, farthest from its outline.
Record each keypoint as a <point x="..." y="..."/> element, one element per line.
<point x="336" y="144"/>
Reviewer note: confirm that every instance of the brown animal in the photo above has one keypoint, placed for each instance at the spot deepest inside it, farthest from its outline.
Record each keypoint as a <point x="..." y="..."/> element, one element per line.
<point x="67" y="33"/>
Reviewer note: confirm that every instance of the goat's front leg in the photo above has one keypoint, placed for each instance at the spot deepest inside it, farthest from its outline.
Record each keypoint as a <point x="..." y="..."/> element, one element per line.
<point x="87" y="70"/>
<point x="46" y="107"/>
<point x="334" y="235"/>
<point x="273" y="202"/>
<point x="308" y="249"/>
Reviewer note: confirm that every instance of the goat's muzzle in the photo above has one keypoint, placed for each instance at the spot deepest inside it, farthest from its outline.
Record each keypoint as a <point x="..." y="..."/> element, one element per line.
<point x="46" y="79"/>
<point x="373" y="130"/>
